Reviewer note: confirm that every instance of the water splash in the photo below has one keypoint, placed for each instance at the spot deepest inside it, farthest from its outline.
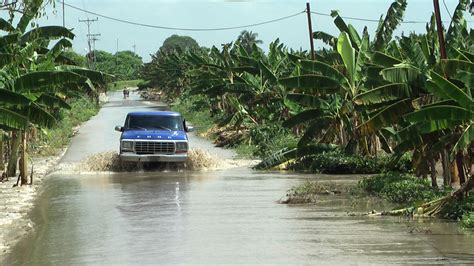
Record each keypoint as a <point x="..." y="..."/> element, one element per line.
<point x="198" y="160"/>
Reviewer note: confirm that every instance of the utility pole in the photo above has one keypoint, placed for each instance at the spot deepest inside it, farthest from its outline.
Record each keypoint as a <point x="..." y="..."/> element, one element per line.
<point x="93" y="38"/>
<point x="116" y="55"/>
<point x="134" y="48"/>
<point x="439" y="27"/>
<point x="64" y="17"/>
<point x="89" y="22"/>
<point x="310" y="28"/>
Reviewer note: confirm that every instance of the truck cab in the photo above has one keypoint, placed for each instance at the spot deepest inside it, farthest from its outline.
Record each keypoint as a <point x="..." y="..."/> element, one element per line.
<point x="154" y="137"/>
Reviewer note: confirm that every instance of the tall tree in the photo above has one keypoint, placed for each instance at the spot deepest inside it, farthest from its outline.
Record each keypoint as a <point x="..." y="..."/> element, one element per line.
<point x="124" y="65"/>
<point x="178" y="42"/>
<point x="248" y="39"/>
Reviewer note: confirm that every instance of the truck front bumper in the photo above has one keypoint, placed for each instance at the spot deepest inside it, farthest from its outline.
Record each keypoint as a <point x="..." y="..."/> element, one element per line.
<point x="132" y="157"/>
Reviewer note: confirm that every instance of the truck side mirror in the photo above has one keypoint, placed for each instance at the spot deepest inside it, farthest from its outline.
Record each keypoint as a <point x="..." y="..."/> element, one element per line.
<point x="187" y="128"/>
<point x="118" y="128"/>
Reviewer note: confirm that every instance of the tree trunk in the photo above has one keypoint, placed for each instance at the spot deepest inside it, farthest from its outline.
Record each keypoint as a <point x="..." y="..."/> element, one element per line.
<point x="2" y="163"/>
<point x="24" y="159"/>
<point x="13" y="160"/>
<point x="434" y="183"/>
<point x="460" y="167"/>
<point x="454" y="173"/>
<point x="446" y="169"/>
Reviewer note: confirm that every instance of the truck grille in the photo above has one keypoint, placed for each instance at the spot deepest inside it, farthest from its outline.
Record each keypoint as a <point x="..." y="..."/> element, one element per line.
<point x="149" y="147"/>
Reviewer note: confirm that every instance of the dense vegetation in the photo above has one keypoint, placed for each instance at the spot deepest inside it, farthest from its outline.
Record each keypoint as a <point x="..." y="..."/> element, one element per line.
<point x="123" y="65"/>
<point x="365" y="95"/>
<point x="37" y="81"/>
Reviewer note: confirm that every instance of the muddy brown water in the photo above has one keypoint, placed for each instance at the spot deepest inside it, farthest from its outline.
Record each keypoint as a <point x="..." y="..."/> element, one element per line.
<point x="215" y="217"/>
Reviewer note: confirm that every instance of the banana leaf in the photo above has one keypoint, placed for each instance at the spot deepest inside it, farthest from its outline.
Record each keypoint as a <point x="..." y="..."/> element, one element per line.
<point x="386" y="117"/>
<point x="440" y="112"/>
<point x="316" y="82"/>
<point x="303" y="117"/>
<point x="11" y="119"/>
<point x="384" y="93"/>
<point x="46" y="33"/>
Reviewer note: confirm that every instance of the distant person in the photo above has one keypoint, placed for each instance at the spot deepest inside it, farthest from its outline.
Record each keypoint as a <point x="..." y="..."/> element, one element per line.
<point x="126" y="93"/>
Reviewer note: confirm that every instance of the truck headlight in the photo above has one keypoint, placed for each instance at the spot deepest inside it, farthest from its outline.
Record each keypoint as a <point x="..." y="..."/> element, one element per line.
<point x="127" y="145"/>
<point x="181" y="147"/>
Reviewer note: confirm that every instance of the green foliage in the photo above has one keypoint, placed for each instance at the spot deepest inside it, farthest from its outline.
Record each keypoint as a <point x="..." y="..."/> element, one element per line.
<point x="143" y="84"/>
<point x="338" y="162"/>
<point x="467" y="220"/>
<point x="460" y="210"/>
<point x="399" y="188"/>
<point x="175" y="42"/>
<point x="75" y="58"/>
<point x="36" y="73"/>
<point x="269" y="138"/>
<point x="193" y="109"/>
<point x="122" y="84"/>
<point x="124" y="65"/>
<point x="52" y="139"/>
<point x="248" y="39"/>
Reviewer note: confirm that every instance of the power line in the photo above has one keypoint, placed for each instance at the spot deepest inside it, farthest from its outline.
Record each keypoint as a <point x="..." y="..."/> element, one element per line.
<point x="183" y="29"/>
<point x="366" y="19"/>
<point x="447" y="9"/>
<point x="375" y="20"/>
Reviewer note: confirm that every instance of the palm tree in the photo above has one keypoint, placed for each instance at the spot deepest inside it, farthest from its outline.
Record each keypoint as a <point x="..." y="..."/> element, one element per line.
<point x="248" y="39"/>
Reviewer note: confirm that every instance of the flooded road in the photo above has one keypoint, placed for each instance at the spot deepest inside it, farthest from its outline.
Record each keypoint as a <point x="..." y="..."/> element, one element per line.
<point x="214" y="217"/>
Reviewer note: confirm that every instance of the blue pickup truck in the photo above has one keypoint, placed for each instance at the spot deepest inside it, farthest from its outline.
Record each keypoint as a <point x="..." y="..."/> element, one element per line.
<point x="154" y="137"/>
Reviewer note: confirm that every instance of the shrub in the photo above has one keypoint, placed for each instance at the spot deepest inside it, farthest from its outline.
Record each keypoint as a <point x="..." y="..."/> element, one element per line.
<point x="456" y="210"/>
<point x="408" y="191"/>
<point x="399" y="188"/>
<point x="338" y="162"/>
<point x="467" y="220"/>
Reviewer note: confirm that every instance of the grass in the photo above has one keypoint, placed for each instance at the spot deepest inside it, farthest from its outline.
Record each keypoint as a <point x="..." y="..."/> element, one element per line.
<point x="467" y="220"/>
<point x="199" y="118"/>
<point x="122" y="84"/>
<point x="50" y="140"/>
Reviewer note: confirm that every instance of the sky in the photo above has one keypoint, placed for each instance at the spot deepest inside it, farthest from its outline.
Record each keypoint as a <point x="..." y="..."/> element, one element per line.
<point x="293" y="32"/>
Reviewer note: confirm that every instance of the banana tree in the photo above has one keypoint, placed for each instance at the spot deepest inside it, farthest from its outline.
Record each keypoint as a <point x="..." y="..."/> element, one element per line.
<point x="30" y="85"/>
<point x="405" y="67"/>
<point x="330" y="91"/>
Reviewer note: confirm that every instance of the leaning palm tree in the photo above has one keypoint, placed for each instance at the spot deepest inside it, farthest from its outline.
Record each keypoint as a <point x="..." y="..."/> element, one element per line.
<point x="248" y="39"/>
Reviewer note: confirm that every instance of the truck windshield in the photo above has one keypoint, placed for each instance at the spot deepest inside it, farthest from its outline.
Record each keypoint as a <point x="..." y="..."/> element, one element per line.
<point x="154" y="122"/>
